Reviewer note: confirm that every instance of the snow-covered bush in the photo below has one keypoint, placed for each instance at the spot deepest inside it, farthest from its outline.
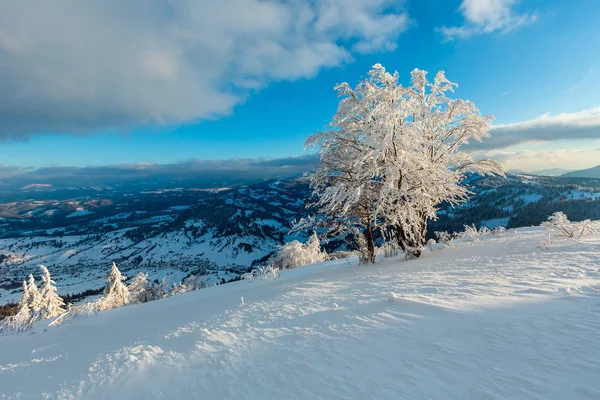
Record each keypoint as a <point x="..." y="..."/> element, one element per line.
<point x="559" y="224"/>
<point x="179" y="288"/>
<point x="470" y="233"/>
<point x="294" y="254"/>
<point x="195" y="282"/>
<point x="139" y="289"/>
<point x="80" y="311"/>
<point x="25" y="317"/>
<point x="445" y="238"/>
<point x="389" y="249"/>
<point x="546" y="243"/>
<point x="341" y="255"/>
<point x="263" y="273"/>
<point x="116" y="294"/>
<point x="499" y="231"/>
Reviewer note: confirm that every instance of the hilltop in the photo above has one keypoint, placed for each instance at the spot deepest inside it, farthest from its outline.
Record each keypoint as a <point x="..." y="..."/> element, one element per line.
<point x="497" y="317"/>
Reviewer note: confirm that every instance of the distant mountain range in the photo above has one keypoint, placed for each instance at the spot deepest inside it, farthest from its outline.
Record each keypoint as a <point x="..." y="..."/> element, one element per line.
<point x="593" y="172"/>
<point x="220" y="233"/>
<point x="584" y="173"/>
<point x="543" y="172"/>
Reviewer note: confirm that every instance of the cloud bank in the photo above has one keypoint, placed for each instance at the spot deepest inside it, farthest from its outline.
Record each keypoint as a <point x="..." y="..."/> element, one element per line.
<point x="579" y="125"/>
<point x="530" y="160"/>
<point x="189" y="174"/>
<point x="487" y="16"/>
<point x="82" y="66"/>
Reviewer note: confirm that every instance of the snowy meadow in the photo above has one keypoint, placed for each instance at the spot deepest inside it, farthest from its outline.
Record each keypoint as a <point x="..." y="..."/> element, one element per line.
<point x="492" y="316"/>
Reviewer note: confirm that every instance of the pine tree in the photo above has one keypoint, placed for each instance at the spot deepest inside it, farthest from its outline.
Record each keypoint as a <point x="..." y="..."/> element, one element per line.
<point x="21" y="321"/>
<point x="25" y="297"/>
<point x="116" y="294"/>
<point x="34" y="298"/>
<point x="313" y="249"/>
<point x="51" y="303"/>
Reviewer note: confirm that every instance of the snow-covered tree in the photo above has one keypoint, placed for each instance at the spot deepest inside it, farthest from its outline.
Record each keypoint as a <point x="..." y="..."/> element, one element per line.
<point x="294" y="253"/>
<point x="51" y="303"/>
<point x="116" y="294"/>
<point x="22" y="321"/>
<point x="34" y="298"/>
<point x="139" y="289"/>
<point x="396" y="153"/>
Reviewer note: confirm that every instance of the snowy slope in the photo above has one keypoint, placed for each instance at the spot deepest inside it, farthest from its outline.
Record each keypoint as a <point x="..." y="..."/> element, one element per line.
<point x="492" y="319"/>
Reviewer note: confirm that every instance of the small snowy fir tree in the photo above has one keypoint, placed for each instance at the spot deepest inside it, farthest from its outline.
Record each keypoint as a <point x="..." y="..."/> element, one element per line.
<point x="313" y="249"/>
<point x="139" y="289"/>
<point x="22" y="321"/>
<point x="116" y="293"/>
<point x="52" y="303"/>
<point x="35" y="300"/>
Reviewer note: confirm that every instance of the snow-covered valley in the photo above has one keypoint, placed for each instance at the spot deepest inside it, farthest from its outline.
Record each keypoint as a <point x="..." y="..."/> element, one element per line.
<point x="221" y="233"/>
<point x="497" y="318"/>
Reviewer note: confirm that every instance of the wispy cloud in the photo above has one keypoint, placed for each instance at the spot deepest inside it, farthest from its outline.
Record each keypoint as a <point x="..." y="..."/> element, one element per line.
<point x="530" y="160"/>
<point x="579" y="125"/>
<point x="487" y="16"/>
<point x="81" y="66"/>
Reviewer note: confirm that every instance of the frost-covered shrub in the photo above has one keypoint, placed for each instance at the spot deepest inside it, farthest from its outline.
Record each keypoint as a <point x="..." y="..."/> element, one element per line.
<point x="179" y="288"/>
<point x="263" y="273"/>
<point x="18" y="323"/>
<point x="559" y="224"/>
<point x="139" y="289"/>
<point x="341" y="255"/>
<point x="545" y="244"/>
<point x="499" y="231"/>
<point x="194" y="282"/>
<point x="389" y="249"/>
<point x="470" y="233"/>
<point x="81" y="311"/>
<point x="294" y="254"/>
<point x="445" y="238"/>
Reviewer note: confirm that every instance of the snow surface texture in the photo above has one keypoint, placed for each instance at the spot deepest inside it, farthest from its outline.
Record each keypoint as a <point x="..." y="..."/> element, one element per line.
<point x="497" y="318"/>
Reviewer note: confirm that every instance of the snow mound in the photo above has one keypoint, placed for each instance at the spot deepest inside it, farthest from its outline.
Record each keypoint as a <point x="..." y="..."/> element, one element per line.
<point x="498" y="318"/>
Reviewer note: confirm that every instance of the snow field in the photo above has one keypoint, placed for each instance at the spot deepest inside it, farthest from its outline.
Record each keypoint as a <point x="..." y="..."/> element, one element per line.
<point x="493" y="319"/>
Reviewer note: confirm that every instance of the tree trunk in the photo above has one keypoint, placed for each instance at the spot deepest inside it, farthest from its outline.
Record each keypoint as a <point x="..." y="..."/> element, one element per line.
<point x="370" y="244"/>
<point x="412" y="242"/>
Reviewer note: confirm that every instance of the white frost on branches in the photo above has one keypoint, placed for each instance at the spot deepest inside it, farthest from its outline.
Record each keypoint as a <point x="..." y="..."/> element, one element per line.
<point x="559" y="225"/>
<point x="116" y="294"/>
<point x="51" y="303"/>
<point x="394" y="153"/>
<point x="294" y="253"/>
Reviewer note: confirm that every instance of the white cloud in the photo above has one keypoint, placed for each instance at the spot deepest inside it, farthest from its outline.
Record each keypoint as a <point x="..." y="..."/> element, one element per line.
<point x="80" y="66"/>
<point x="530" y="160"/>
<point x="487" y="16"/>
<point x="579" y="125"/>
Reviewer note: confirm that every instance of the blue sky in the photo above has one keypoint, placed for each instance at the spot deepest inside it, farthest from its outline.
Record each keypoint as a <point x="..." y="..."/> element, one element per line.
<point x="517" y="60"/>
